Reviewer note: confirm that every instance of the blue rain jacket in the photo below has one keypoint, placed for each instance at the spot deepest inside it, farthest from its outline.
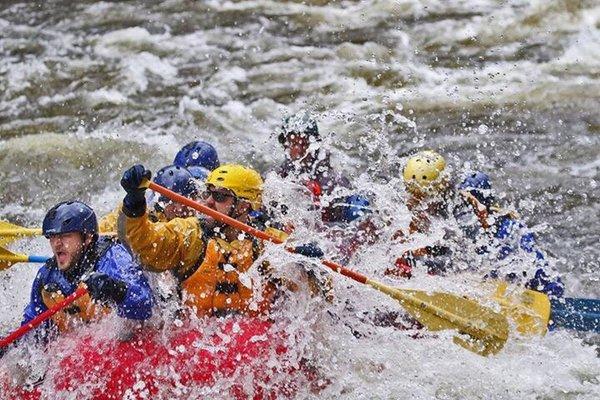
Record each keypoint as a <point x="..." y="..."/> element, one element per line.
<point x="116" y="262"/>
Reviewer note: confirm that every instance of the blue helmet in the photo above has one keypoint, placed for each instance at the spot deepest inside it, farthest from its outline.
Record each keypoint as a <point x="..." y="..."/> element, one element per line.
<point x="198" y="172"/>
<point x="177" y="179"/>
<point x="476" y="180"/>
<point x="478" y="184"/>
<point x="70" y="216"/>
<point x="355" y="207"/>
<point x="198" y="153"/>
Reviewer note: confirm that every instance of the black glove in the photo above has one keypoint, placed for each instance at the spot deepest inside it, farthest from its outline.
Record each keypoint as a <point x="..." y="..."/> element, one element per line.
<point x="102" y="287"/>
<point x="309" y="250"/>
<point x="134" y="203"/>
<point x="436" y="251"/>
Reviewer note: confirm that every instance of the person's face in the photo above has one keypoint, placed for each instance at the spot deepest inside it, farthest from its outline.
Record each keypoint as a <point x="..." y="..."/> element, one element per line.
<point x="297" y="146"/>
<point x="219" y="199"/>
<point x="68" y="248"/>
<point x="176" y="210"/>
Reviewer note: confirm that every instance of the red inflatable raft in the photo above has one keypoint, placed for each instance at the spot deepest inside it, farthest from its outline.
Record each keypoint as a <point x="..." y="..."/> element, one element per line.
<point x="243" y="358"/>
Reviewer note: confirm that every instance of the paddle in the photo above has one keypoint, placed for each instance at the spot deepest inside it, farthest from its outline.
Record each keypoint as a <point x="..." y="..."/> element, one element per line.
<point x="487" y="331"/>
<point x="8" y="258"/>
<point x="38" y="320"/>
<point x="578" y="314"/>
<point x="528" y="309"/>
<point x="534" y="312"/>
<point x="10" y="232"/>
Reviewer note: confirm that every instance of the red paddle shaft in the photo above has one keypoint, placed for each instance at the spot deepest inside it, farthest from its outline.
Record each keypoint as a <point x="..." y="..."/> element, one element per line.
<point x="34" y="323"/>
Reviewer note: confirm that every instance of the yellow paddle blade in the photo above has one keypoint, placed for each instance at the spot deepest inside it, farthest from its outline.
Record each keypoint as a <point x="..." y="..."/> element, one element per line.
<point x="527" y="309"/>
<point x="8" y="258"/>
<point x="11" y="232"/>
<point x="486" y="330"/>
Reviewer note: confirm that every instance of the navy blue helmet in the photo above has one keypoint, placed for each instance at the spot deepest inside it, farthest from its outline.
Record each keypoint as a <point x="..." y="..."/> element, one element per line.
<point x="198" y="153"/>
<point x="199" y="173"/>
<point x="70" y="216"/>
<point x="478" y="184"/>
<point x="177" y="179"/>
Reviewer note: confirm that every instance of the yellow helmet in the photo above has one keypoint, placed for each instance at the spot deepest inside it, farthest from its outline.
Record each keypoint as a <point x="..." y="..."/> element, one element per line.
<point x="424" y="172"/>
<point x="245" y="182"/>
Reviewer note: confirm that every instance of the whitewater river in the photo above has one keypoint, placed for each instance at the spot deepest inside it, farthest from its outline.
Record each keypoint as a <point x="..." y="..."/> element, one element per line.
<point x="512" y="87"/>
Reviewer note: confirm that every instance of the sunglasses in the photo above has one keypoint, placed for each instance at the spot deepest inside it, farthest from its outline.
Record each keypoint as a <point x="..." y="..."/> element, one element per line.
<point x="218" y="197"/>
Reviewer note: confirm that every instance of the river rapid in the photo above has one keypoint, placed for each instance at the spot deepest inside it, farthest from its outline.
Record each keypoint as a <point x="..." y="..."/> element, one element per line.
<point x="88" y="89"/>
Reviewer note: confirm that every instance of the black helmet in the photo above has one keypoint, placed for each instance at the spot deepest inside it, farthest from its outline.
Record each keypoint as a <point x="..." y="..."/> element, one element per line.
<point x="301" y="124"/>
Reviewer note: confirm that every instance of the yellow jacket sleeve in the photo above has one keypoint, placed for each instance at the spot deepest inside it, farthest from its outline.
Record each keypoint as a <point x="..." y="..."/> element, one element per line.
<point x="108" y="223"/>
<point x="162" y="246"/>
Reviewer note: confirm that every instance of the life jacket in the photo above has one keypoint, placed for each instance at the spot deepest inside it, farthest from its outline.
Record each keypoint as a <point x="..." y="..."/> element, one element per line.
<point x="58" y="285"/>
<point x="221" y="286"/>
